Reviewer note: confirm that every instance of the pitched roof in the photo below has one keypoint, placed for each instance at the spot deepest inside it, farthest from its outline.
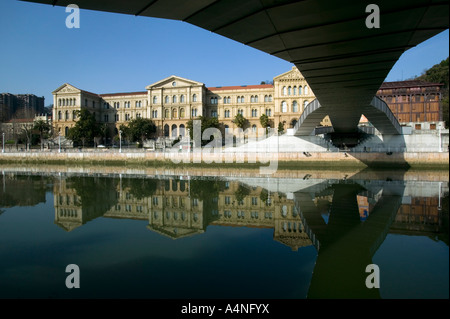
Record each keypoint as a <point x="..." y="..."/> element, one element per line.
<point x="407" y="84"/>
<point x="240" y="87"/>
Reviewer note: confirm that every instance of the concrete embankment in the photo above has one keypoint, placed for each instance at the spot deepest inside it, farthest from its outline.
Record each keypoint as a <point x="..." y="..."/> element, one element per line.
<point x="293" y="160"/>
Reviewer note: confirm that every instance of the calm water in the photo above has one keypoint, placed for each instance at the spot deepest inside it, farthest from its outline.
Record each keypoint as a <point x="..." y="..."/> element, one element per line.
<point x="222" y="237"/>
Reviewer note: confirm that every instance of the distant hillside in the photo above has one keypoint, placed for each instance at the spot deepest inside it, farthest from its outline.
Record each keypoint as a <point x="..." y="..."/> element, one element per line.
<point x="438" y="73"/>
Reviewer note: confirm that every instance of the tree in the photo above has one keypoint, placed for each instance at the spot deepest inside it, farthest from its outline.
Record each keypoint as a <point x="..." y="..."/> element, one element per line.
<point x="240" y="121"/>
<point x="438" y="73"/>
<point x="280" y="127"/>
<point x="212" y="122"/>
<point x="85" y="129"/>
<point x="140" y="129"/>
<point x="43" y="128"/>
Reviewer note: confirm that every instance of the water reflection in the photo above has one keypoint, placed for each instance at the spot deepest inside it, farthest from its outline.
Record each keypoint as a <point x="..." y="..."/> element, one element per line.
<point x="346" y="220"/>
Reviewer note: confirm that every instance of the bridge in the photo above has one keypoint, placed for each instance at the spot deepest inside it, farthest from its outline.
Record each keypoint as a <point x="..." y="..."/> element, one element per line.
<point x="343" y="57"/>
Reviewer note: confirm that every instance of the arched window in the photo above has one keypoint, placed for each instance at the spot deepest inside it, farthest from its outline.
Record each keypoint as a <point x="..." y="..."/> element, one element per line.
<point x="270" y="98"/>
<point x="74" y="115"/>
<point x="253" y="128"/>
<point x="174" y="99"/>
<point x="59" y="102"/>
<point x="226" y="113"/>
<point x="299" y="90"/>
<point x="166" y="131"/>
<point x="174" y="130"/>
<point x="182" y="113"/>
<point x="67" y="115"/>
<point x="284" y="91"/>
<point x="295" y="90"/>
<point x="269" y="112"/>
<point x="166" y="113"/>
<point x="254" y="113"/>
<point x="59" y="115"/>
<point x="266" y="98"/>
<point x="194" y="112"/>
<point x="283" y="107"/>
<point x="238" y="99"/>
<point x="289" y="90"/>
<point x="174" y="113"/>
<point x="155" y="100"/>
<point x="294" y="106"/>
<point x="182" y="99"/>
<point x="182" y="130"/>
<point x="242" y="99"/>
<point x="256" y="98"/>
<point x="194" y="98"/>
<point x="305" y="89"/>
<point x="166" y="99"/>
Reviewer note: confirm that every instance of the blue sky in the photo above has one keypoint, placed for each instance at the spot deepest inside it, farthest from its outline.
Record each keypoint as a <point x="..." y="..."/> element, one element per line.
<point x="122" y="53"/>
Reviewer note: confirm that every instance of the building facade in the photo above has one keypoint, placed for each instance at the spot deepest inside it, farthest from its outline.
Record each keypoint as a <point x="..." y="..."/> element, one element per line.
<point x="20" y="106"/>
<point x="173" y="101"/>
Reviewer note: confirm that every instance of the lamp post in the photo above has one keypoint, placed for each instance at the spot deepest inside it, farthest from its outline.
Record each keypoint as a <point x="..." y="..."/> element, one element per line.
<point x="120" y="141"/>
<point x="3" y="144"/>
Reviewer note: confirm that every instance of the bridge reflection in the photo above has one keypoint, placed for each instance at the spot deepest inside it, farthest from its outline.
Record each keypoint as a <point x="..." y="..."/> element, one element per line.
<point x="346" y="220"/>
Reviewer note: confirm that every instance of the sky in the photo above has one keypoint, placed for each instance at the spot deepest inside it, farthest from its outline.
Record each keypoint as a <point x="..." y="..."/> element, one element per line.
<point x="122" y="53"/>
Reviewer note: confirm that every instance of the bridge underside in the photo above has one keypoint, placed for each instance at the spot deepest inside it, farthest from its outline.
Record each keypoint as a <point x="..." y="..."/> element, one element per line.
<point x="343" y="61"/>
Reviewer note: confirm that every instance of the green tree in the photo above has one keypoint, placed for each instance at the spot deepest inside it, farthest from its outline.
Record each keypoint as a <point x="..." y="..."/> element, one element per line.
<point x="85" y="129"/>
<point x="280" y="127"/>
<point x="212" y="122"/>
<point x="141" y="129"/>
<point x="43" y="128"/>
<point x="240" y="121"/>
<point x="438" y="73"/>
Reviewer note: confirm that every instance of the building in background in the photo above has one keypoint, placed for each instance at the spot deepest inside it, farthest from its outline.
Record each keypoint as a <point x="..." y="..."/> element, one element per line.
<point x="170" y="103"/>
<point x="20" y="106"/>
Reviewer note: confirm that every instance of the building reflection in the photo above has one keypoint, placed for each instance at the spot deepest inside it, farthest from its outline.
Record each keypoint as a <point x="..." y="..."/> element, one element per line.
<point x="182" y="207"/>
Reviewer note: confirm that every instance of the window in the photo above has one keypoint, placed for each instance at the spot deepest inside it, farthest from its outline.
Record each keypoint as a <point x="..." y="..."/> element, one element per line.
<point x="295" y="90"/>
<point x="253" y="128"/>
<point x="182" y="113"/>
<point x="85" y="102"/>
<point x="67" y="115"/>
<point x="227" y="113"/>
<point x="213" y="100"/>
<point x="59" y="115"/>
<point x="299" y="90"/>
<point x="305" y="104"/>
<point x="174" y="99"/>
<point x="254" y="201"/>
<point x="194" y="98"/>
<point x="284" y="91"/>
<point x="166" y="99"/>
<point x="213" y="113"/>
<point x="241" y="111"/>
<point x="269" y="112"/>
<point x="106" y="118"/>
<point x="93" y="104"/>
<point x="283" y="107"/>
<point x="194" y="112"/>
<point x="182" y="99"/>
<point x="305" y="89"/>
<point x="138" y="115"/>
<point x="59" y="102"/>
<point x="155" y="100"/>
<point x="154" y="113"/>
<point x="289" y="90"/>
<point x="254" y="113"/>
<point x="138" y="103"/>
<point x="116" y="117"/>
<point x="295" y="107"/>
<point x="266" y="98"/>
<point x="74" y="115"/>
<point x="174" y="113"/>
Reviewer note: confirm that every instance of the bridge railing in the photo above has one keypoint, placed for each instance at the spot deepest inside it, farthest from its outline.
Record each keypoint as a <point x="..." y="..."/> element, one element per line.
<point x="382" y="106"/>
<point x="310" y="108"/>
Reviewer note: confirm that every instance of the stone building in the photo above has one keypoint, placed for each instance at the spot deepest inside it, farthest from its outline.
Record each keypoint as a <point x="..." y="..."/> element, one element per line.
<point x="171" y="102"/>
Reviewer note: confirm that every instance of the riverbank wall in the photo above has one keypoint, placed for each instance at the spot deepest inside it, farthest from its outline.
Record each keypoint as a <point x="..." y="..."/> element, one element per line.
<point x="251" y="160"/>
